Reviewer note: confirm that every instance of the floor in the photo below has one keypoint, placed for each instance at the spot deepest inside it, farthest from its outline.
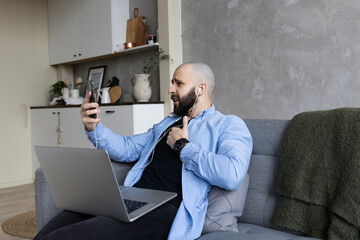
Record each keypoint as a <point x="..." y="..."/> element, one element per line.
<point x="13" y="201"/>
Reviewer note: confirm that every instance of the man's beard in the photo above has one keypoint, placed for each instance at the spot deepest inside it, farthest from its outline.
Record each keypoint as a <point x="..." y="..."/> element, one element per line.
<point x="185" y="103"/>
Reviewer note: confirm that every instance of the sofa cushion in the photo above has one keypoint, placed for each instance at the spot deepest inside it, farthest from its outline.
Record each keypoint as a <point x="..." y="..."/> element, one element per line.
<point x="224" y="207"/>
<point x="253" y="232"/>
<point x="261" y="196"/>
<point x="267" y="135"/>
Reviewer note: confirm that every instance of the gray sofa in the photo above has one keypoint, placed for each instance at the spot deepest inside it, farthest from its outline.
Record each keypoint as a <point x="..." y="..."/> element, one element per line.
<point x="255" y="222"/>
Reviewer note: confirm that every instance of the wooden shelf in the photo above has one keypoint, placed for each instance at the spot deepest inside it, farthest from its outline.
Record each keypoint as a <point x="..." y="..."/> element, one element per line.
<point x="143" y="48"/>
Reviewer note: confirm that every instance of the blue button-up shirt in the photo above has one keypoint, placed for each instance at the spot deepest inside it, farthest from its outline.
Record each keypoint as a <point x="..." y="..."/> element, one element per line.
<point x="218" y="154"/>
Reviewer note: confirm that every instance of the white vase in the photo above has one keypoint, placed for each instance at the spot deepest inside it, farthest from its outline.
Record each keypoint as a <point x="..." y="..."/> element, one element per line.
<point x="142" y="87"/>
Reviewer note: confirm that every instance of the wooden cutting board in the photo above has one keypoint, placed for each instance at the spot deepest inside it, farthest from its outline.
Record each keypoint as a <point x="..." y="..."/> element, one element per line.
<point x="115" y="94"/>
<point x="136" y="29"/>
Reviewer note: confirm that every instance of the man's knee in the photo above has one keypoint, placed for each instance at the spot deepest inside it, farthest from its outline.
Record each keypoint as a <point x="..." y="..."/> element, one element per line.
<point x="103" y="220"/>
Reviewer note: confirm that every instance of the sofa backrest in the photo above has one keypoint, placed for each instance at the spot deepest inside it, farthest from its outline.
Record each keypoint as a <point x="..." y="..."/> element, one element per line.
<point x="261" y="196"/>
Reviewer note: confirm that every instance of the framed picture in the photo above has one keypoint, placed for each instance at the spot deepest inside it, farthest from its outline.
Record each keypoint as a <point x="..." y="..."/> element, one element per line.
<point x="96" y="74"/>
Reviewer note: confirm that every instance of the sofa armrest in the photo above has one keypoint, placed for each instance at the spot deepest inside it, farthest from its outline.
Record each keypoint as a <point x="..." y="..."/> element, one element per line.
<point x="44" y="202"/>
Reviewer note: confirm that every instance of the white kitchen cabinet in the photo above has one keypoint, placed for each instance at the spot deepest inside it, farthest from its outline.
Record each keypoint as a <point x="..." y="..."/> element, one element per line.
<point x="84" y="29"/>
<point x="123" y="119"/>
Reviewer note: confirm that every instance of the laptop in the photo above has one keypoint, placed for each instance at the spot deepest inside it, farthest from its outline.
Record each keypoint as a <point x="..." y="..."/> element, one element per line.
<point x="83" y="180"/>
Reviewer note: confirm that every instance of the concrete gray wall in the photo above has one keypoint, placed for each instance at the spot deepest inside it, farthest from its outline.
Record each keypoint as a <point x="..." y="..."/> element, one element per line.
<point x="276" y="58"/>
<point x="125" y="66"/>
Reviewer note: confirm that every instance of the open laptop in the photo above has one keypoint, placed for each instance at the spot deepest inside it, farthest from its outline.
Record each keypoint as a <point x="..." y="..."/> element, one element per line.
<point x="83" y="180"/>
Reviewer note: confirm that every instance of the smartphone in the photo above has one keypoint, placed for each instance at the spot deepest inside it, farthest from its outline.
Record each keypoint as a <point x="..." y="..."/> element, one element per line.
<point x="92" y="99"/>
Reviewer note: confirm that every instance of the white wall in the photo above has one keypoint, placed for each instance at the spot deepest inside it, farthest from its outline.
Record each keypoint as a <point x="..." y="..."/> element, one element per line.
<point x="25" y="77"/>
<point x="169" y="26"/>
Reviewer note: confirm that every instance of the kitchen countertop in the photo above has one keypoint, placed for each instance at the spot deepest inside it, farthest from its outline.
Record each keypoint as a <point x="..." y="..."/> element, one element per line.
<point x="100" y="104"/>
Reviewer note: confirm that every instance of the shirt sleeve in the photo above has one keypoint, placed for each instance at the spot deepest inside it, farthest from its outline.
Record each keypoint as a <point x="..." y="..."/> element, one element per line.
<point x="119" y="148"/>
<point x="228" y="165"/>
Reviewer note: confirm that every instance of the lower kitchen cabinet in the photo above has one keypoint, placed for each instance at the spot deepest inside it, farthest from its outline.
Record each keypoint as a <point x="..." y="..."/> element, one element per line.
<point x="62" y="126"/>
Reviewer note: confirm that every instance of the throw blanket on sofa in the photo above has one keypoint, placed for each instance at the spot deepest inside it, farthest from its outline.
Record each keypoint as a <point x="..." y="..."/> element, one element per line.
<point x="318" y="175"/>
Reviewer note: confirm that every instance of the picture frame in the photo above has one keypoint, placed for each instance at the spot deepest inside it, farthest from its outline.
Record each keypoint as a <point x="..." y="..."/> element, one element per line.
<point x="96" y="74"/>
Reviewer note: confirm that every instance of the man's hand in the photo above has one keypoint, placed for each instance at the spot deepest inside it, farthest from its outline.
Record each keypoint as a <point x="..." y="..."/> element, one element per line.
<point x="90" y="123"/>
<point x="177" y="133"/>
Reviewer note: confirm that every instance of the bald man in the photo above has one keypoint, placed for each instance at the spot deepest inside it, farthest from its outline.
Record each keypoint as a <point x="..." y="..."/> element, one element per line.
<point x="188" y="152"/>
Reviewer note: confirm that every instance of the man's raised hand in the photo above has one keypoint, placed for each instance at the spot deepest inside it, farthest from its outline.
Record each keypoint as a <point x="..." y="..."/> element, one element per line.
<point x="177" y="133"/>
<point x="87" y="109"/>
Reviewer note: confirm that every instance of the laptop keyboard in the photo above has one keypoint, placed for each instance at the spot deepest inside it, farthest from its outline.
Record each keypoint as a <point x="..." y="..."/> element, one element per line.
<point x="132" y="205"/>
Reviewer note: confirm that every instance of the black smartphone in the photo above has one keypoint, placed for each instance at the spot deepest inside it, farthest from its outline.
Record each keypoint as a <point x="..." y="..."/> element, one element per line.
<point x="92" y="99"/>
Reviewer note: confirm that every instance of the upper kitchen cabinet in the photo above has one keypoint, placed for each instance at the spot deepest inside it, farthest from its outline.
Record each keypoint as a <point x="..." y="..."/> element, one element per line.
<point x="84" y="29"/>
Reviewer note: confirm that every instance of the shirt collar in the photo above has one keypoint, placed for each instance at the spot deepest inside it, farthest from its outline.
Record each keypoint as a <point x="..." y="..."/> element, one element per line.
<point x="205" y="113"/>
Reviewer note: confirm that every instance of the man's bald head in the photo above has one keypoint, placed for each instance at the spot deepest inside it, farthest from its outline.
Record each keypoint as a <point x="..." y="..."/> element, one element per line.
<point x="202" y="74"/>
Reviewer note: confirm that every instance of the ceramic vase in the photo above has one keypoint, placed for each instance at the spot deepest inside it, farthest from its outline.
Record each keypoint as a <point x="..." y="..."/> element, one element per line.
<point x="142" y="87"/>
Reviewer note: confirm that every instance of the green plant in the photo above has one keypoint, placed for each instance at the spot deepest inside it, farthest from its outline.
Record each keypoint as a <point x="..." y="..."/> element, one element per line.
<point x="154" y="60"/>
<point x="56" y="87"/>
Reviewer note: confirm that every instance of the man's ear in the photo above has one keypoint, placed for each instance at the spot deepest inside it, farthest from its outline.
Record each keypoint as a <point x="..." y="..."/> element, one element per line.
<point x="201" y="89"/>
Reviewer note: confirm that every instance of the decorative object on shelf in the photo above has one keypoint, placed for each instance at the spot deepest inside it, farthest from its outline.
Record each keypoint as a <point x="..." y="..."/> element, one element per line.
<point x="78" y="83"/>
<point x="96" y="74"/>
<point x="136" y="29"/>
<point x="142" y="82"/>
<point x="59" y="101"/>
<point x="152" y="39"/>
<point x="114" y="81"/>
<point x="57" y="87"/>
<point x="128" y="45"/>
<point x="142" y="87"/>
<point x="153" y="61"/>
<point x="70" y="94"/>
<point x="74" y="93"/>
<point x="56" y="93"/>
<point x="115" y="94"/>
<point x="128" y="98"/>
<point x="115" y="90"/>
<point x="65" y="92"/>
<point x="104" y="94"/>
<point x="67" y="84"/>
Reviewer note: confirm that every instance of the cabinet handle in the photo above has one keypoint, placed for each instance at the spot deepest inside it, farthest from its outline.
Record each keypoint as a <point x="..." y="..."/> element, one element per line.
<point x="110" y="111"/>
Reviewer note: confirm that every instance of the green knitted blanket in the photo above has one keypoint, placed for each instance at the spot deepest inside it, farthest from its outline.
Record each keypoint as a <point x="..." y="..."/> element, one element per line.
<point x="318" y="176"/>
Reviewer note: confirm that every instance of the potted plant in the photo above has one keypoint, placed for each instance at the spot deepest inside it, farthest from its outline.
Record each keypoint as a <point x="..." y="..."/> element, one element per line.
<point x="57" y="87"/>
<point x="142" y="82"/>
<point x="153" y="61"/>
<point x="56" y="90"/>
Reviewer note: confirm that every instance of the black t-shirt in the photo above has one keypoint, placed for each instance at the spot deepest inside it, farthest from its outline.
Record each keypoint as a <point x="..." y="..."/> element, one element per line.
<point x="164" y="171"/>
